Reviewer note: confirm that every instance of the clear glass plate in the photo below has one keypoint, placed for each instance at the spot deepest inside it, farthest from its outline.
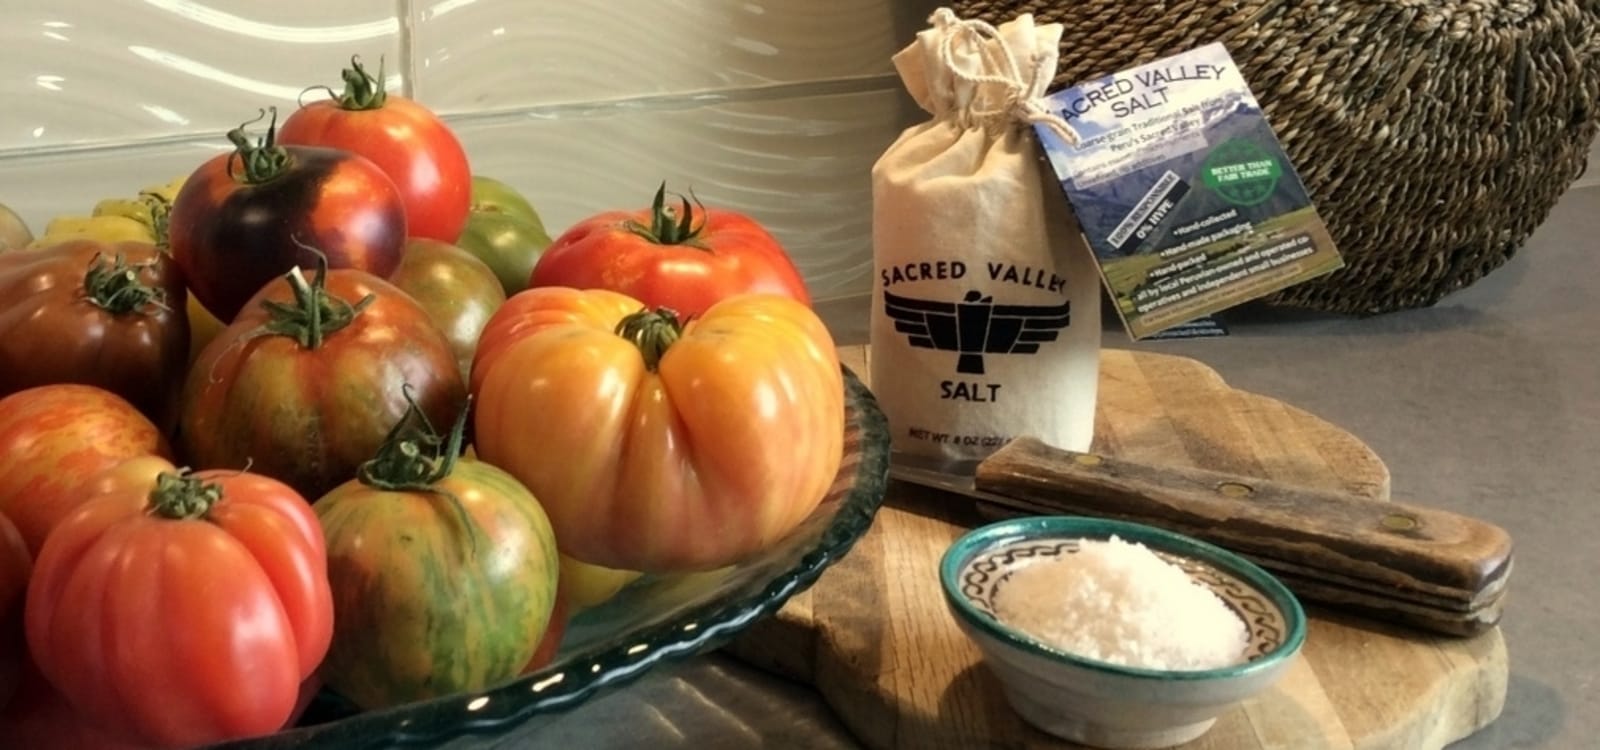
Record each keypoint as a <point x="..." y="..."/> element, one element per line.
<point x="655" y="621"/>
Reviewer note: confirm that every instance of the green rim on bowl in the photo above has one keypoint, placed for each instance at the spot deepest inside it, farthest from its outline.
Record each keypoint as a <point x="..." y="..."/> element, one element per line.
<point x="984" y="538"/>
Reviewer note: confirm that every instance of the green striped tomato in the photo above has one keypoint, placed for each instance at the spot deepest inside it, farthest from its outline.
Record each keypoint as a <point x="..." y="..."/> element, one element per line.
<point x="436" y="591"/>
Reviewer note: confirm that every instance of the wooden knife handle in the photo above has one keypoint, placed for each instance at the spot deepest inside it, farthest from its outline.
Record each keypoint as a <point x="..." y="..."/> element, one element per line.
<point x="1395" y="546"/>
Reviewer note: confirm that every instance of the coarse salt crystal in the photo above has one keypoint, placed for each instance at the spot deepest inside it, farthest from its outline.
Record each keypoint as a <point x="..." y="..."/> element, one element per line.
<point x="1118" y="602"/>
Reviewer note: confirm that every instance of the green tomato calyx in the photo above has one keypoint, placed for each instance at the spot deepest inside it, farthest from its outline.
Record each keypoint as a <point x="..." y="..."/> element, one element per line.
<point x="414" y="456"/>
<point x="117" y="288"/>
<point x="362" y="90"/>
<point x="182" y="496"/>
<point x="261" y="160"/>
<point x="653" y="331"/>
<point x="669" y="226"/>
<point x="315" y="313"/>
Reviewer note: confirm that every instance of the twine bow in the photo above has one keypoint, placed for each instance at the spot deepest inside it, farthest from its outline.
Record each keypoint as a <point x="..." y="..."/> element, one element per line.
<point x="999" y="68"/>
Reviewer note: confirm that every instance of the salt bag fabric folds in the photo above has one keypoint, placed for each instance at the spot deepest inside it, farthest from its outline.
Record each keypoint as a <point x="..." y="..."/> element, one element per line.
<point x="986" y="309"/>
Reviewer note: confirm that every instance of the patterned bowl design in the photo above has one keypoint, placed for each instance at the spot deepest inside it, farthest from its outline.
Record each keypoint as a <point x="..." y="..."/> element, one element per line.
<point x="987" y="573"/>
<point x="1100" y="704"/>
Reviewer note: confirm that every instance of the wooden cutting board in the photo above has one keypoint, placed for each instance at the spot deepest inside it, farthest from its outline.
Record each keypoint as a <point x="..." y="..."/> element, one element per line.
<point x="874" y="638"/>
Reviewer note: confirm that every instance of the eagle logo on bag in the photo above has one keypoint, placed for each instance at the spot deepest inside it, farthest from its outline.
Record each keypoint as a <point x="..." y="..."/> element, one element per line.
<point x="976" y="326"/>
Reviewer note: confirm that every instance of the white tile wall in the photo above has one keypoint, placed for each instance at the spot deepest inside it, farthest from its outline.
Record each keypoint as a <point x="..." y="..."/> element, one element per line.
<point x="78" y="72"/>
<point x="494" y="54"/>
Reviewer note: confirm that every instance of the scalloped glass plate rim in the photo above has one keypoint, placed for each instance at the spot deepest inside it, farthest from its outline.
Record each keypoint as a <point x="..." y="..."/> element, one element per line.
<point x="578" y="677"/>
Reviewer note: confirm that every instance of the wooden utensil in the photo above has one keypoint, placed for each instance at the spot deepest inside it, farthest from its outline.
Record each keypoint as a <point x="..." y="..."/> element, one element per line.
<point x="1422" y="566"/>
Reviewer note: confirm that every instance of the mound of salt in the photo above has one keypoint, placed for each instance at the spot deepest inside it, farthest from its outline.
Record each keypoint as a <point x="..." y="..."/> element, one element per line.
<point x="1118" y="602"/>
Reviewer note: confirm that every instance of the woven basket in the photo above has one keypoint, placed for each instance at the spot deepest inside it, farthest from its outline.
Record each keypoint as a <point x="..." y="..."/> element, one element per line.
<point x="1434" y="135"/>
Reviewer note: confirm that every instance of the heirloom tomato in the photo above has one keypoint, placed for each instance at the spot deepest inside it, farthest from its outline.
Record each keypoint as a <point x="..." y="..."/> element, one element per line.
<point x="404" y="138"/>
<point x="677" y="259"/>
<point x="39" y="717"/>
<point x="655" y="446"/>
<point x="306" y="382"/>
<point x="490" y="195"/>
<point x="136" y="473"/>
<point x="585" y="585"/>
<point x="458" y="291"/>
<point x="186" y="612"/>
<point x="245" y="218"/>
<point x="54" y="439"/>
<point x="443" y="571"/>
<point x="15" y="565"/>
<point x="102" y="314"/>
<point x="504" y="231"/>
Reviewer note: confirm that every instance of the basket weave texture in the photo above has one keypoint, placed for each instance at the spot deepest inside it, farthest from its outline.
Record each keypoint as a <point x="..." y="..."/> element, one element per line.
<point x="1434" y="135"/>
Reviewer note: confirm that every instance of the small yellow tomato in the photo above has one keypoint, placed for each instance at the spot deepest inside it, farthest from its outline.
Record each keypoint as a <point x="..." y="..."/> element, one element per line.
<point x="203" y="327"/>
<point x="585" y="585"/>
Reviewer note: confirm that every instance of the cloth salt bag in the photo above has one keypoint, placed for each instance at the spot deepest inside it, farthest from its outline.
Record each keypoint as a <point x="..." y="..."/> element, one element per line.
<point x="986" y="310"/>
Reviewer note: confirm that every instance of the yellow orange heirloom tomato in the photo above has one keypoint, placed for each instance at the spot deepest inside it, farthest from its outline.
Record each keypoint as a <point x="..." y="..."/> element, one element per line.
<point x="655" y="446"/>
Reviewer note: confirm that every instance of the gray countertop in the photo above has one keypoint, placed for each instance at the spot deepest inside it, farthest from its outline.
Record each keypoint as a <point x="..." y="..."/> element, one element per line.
<point x="1486" y="404"/>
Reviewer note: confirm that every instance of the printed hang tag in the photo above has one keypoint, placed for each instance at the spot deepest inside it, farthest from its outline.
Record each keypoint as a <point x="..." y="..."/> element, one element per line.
<point x="1183" y="191"/>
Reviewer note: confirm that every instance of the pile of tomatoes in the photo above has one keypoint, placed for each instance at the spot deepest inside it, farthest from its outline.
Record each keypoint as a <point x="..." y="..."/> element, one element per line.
<point x="311" y="442"/>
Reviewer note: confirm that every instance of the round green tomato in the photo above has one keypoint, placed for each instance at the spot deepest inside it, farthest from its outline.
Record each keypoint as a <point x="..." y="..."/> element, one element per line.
<point x="504" y="232"/>
<point x="458" y="291"/>
<point x="490" y="194"/>
<point x="435" y="592"/>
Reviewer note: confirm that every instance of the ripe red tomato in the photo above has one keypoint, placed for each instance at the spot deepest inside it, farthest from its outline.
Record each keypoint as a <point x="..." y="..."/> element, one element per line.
<point x="185" y="613"/>
<point x="97" y="313"/>
<point x="311" y="399"/>
<point x="55" y="438"/>
<point x="15" y="566"/>
<point x="39" y="717"/>
<point x="677" y="259"/>
<point x="245" y="218"/>
<point x="404" y="138"/>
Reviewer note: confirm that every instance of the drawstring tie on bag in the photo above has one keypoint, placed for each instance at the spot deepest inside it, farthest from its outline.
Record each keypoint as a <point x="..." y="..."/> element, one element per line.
<point x="999" y="69"/>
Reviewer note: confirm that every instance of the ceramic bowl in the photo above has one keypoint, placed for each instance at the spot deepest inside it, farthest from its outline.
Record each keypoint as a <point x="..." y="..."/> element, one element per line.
<point x="1097" y="703"/>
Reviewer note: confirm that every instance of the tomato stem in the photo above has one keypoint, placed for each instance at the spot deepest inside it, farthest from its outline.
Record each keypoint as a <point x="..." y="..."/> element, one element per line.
<point x="181" y="496"/>
<point x="116" y="287"/>
<point x="315" y="313"/>
<point x="653" y="331"/>
<point x="160" y="219"/>
<point x="263" y="160"/>
<point x="670" y="226"/>
<point x="362" y="90"/>
<point x="414" y="457"/>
